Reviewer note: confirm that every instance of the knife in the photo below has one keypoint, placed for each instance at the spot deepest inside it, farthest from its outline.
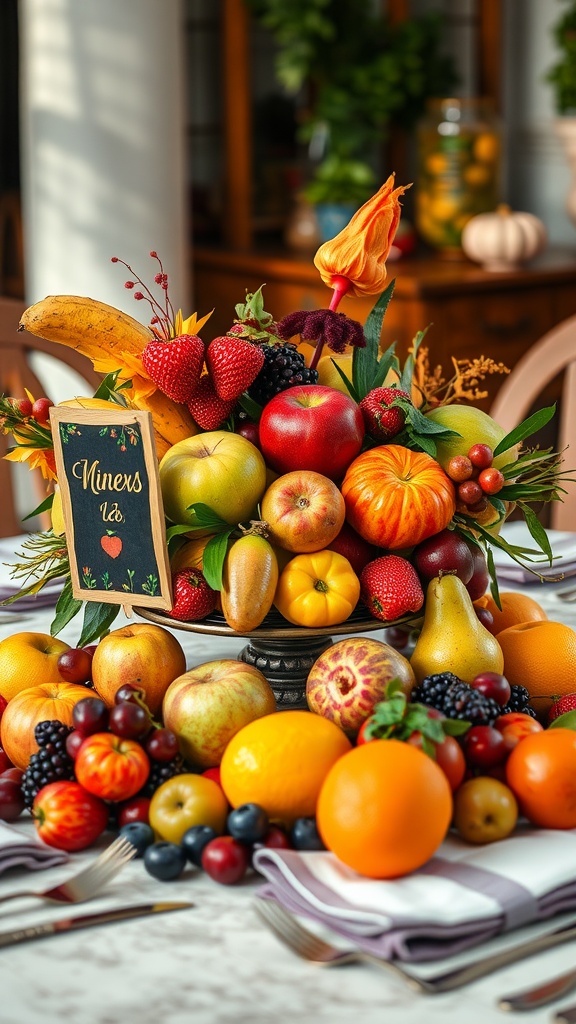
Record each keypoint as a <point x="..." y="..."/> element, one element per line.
<point x="70" y="924"/>
<point x="540" y="995"/>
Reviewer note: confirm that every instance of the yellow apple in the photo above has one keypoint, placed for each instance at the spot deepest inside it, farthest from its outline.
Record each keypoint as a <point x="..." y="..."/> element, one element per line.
<point x="219" y="468"/>
<point x="210" y="703"/>
<point x="29" y="659"/>
<point x="144" y="655"/>
<point x="184" y="801"/>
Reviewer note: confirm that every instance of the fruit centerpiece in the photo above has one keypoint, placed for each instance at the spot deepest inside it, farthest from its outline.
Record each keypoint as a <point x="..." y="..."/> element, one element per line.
<point x="311" y="484"/>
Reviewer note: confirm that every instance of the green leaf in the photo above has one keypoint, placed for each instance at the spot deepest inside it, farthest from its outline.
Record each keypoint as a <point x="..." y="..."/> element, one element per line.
<point x="525" y="429"/>
<point x="373" y="326"/>
<point x="108" y="388"/>
<point x="349" y="385"/>
<point x="98" y="617"/>
<point x="42" y="507"/>
<point x="205" y="518"/>
<point x="250" y="407"/>
<point x="67" y="607"/>
<point x="213" y="558"/>
<point x="454" y="726"/>
<point x="365" y="360"/>
<point x="175" y="531"/>
<point x="537" y="531"/>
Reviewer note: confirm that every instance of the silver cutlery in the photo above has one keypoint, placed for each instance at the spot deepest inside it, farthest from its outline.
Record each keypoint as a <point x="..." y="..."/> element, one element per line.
<point x="540" y="995"/>
<point x="86" y="883"/>
<point x="310" y="947"/>
<point x="68" y="924"/>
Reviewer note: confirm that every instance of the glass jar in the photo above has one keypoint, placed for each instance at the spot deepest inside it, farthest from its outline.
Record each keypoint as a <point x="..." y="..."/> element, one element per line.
<point x="459" y="169"/>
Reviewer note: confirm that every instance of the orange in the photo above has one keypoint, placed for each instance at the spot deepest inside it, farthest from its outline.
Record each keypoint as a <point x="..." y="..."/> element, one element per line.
<point x="540" y="655"/>
<point x="384" y="808"/>
<point x="280" y="762"/>
<point x="29" y="659"/>
<point x="541" y="772"/>
<point x="516" y="607"/>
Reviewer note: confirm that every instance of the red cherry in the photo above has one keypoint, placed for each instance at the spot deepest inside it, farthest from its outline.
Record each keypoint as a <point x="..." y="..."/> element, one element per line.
<point x="24" y="406"/>
<point x="460" y="468"/>
<point x="484" y="746"/>
<point x="162" y="745"/>
<point x="277" y="839"/>
<point x="493" y="685"/>
<point x="491" y="480"/>
<point x="212" y="773"/>
<point x="74" y="741"/>
<point x="225" y="859"/>
<point x="135" y="809"/>
<point x="250" y="432"/>
<point x="41" y="410"/>
<point x="470" y="492"/>
<point x="481" y="455"/>
<point x="127" y="692"/>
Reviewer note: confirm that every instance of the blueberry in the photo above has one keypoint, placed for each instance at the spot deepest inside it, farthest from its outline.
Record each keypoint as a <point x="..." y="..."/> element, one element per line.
<point x="139" y="834"/>
<point x="165" y="861"/>
<point x="249" y="823"/>
<point x="304" y="835"/>
<point x="194" y="840"/>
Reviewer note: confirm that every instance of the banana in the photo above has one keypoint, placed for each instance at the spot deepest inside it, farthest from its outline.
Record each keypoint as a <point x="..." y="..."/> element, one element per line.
<point x="87" y="325"/>
<point x="96" y="329"/>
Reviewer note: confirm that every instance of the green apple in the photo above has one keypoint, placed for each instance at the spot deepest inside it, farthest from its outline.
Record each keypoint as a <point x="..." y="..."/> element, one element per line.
<point x="474" y="427"/>
<point x="565" y="721"/>
<point x="218" y="468"/>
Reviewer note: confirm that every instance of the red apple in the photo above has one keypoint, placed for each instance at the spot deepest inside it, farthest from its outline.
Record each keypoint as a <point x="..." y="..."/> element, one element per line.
<point x="144" y="655"/>
<point x="304" y="511"/>
<point x="206" y="706"/>
<point x="311" y="426"/>
<point x="357" y="550"/>
<point x="350" y="678"/>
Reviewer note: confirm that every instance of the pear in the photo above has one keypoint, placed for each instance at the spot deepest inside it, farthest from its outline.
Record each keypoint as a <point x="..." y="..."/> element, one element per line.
<point x="452" y="638"/>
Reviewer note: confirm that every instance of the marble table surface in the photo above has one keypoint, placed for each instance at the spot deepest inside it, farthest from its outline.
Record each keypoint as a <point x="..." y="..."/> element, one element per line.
<point x="215" y="963"/>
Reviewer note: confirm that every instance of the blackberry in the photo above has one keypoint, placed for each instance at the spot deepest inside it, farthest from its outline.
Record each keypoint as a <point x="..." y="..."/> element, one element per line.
<point x="50" y="763"/>
<point x="461" y="701"/>
<point x="456" y="699"/>
<point x="519" y="702"/>
<point x="433" y="688"/>
<point x="161" y="771"/>
<point x="283" y="368"/>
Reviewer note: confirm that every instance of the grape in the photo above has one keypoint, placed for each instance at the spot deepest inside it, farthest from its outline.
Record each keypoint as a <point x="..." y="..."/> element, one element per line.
<point x="74" y="741"/>
<point x="41" y="410"/>
<point x="129" y="721"/>
<point x="75" y="666"/>
<point x="162" y="745"/>
<point x="128" y="693"/>
<point x="11" y="799"/>
<point x="90" y="715"/>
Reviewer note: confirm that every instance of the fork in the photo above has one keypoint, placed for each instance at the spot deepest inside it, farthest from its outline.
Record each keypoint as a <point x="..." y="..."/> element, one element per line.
<point x="310" y="947"/>
<point x="84" y="885"/>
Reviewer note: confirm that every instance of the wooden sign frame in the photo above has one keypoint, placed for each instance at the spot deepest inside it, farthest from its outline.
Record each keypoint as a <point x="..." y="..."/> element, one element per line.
<point x="82" y="480"/>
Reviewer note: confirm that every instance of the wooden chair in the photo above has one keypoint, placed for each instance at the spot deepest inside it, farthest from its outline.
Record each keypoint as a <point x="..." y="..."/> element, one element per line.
<point x="555" y="353"/>
<point x="16" y="373"/>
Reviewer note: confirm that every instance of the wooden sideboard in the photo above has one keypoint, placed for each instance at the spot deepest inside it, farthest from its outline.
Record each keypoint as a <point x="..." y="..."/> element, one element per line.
<point x="471" y="312"/>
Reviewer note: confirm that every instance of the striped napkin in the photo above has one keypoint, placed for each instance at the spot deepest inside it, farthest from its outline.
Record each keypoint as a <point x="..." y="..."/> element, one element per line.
<point x="463" y="896"/>
<point x="20" y="851"/>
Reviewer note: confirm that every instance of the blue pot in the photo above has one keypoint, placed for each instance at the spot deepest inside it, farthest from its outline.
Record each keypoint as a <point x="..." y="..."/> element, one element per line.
<point x="333" y="217"/>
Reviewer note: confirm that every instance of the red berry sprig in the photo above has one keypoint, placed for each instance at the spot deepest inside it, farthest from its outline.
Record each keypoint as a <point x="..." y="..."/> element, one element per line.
<point x="475" y="477"/>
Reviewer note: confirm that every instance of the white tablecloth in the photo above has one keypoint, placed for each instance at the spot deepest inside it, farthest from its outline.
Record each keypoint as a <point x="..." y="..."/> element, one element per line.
<point x="216" y="963"/>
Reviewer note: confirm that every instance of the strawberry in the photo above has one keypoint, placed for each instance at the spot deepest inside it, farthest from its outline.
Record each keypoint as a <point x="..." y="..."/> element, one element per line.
<point x="193" y="598"/>
<point x="175" y="366"/>
<point x="382" y="419"/>
<point x="390" y="587"/>
<point x="206" y="407"/>
<point x="233" y="364"/>
<point x="561" y="706"/>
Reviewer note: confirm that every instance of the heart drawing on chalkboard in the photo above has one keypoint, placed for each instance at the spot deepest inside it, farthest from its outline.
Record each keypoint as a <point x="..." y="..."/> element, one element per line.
<point x="111" y="545"/>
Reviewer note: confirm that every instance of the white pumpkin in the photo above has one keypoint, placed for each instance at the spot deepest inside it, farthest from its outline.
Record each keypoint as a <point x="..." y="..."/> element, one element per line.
<point x="503" y="239"/>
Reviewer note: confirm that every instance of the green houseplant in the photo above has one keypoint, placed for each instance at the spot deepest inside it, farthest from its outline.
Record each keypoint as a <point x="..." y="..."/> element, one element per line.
<point x="355" y="75"/>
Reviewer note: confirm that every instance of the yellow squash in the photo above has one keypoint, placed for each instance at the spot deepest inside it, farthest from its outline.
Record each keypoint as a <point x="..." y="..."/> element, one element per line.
<point x="87" y="325"/>
<point x="318" y="589"/>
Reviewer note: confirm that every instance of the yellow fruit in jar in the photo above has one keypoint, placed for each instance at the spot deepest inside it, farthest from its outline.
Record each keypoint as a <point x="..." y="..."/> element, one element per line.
<point x="437" y="163"/>
<point x="443" y="208"/>
<point x="487" y="147"/>
<point x="477" y="175"/>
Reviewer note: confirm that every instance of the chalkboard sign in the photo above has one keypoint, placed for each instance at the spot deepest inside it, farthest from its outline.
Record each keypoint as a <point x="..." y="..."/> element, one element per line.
<point x="107" y="472"/>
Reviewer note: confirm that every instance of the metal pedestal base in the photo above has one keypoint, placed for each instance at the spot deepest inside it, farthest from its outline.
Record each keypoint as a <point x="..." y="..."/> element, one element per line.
<point x="286" y="664"/>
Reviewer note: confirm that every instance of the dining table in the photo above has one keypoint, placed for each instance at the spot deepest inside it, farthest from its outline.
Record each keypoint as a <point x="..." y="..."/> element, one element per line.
<point x="216" y="962"/>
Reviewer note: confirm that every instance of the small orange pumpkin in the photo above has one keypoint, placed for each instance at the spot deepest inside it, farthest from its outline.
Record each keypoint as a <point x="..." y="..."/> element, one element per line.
<point x="46" y="702"/>
<point x="396" y="497"/>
